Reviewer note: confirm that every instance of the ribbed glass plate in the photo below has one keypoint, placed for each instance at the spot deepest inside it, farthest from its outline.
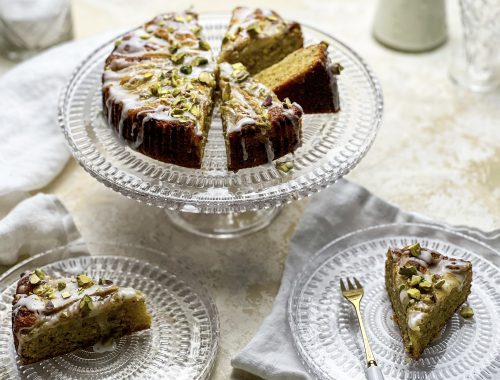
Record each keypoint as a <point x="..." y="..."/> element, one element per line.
<point x="332" y="143"/>
<point x="325" y="329"/>
<point x="181" y="343"/>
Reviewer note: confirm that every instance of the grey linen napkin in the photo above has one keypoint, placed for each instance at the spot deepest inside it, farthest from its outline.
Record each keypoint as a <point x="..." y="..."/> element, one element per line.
<point x="343" y="208"/>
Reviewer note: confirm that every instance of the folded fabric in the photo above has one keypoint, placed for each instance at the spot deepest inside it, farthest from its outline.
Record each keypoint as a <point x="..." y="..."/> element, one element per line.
<point x="33" y="150"/>
<point x="343" y="208"/>
<point x="34" y="225"/>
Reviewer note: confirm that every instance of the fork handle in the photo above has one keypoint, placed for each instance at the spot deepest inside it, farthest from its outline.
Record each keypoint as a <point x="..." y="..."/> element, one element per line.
<point x="374" y="373"/>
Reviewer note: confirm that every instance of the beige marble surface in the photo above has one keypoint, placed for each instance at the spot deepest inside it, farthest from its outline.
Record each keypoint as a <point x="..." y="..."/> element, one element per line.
<point x="438" y="153"/>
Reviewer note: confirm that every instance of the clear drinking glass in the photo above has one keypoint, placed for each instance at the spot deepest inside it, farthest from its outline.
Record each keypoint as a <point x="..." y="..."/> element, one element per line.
<point x="477" y="64"/>
<point x="30" y="26"/>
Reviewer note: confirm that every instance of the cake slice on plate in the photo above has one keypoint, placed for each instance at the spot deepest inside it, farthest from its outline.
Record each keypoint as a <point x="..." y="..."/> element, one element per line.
<point x="258" y="38"/>
<point x="306" y="76"/>
<point x="54" y="316"/>
<point x="258" y="127"/>
<point x="425" y="289"/>
<point x="157" y="87"/>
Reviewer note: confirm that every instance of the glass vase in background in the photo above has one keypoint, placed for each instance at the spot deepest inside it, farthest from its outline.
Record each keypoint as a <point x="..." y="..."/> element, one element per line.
<point x="30" y="26"/>
<point x="476" y="64"/>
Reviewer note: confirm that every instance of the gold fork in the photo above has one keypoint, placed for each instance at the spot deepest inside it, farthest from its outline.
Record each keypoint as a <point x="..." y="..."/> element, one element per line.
<point x="354" y="295"/>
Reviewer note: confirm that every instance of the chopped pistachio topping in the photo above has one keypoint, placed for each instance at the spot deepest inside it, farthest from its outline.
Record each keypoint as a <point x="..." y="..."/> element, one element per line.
<point x="285" y="167"/>
<point x="34" y="279"/>
<point x="161" y="23"/>
<point x="86" y="305"/>
<point x="414" y="293"/>
<point x="148" y="75"/>
<point x="414" y="249"/>
<point x="425" y="285"/>
<point x="103" y="281"/>
<point x="206" y="78"/>
<point x="177" y="58"/>
<point x="439" y="284"/>
<point x="61" y="285"/>
<point x="229" y="37"/>
<point x="174" y="47"/>
<point x="145" y="36"/>
<point x="415" y="280"/>
<point x="199" y="61"/>
<point x="408" y="270"/>
<point x="179" y="19"/>
<point x="65" y="295"/>
<point x="401" y="287"/>
<point x="40" y="273"/>
<point x="238" y="66"/>
<point x="196" y="29"/>
<point x="118" y="42"/>
<point x="253" y="29"/>
<point x="336" y="68"/>
<point x="186" y="69"/>
<point x="84" y="281"/>
<point x="195" y="110"/>
<point x="288" y="103"/>
<point x="467" y="312"/>
<point x="272" y="18"/>
<point x="204" y="45"/>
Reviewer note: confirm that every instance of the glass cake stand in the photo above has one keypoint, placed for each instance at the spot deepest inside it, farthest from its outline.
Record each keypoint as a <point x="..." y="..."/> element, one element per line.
<point x="212" y="201"/>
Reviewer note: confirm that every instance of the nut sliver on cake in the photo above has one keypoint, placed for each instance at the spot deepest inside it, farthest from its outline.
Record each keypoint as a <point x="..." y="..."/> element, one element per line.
<point x="425" y="289"/>
<point x="54" y="316"/>
<point x="258" y="127"/>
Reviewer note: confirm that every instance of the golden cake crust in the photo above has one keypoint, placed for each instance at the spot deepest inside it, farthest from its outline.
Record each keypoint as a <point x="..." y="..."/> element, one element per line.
<point x="306" y="76"/>
<point x="258" y="38"/>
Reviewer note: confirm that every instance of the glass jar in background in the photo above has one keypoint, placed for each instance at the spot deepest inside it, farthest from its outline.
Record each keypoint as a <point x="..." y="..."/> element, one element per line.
<point x="30" y="26"/>
<point x="476" y="65"/>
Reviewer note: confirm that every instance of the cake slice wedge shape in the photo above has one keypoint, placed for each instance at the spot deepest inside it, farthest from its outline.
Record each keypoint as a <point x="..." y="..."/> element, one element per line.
<point x="258" y="38"/>
<point x="306" y="76"/>
<point x="55" y="316"/>
<point x="158" y="87"/>
<point x="257" y="126"/>
<point x="425" y="289"/>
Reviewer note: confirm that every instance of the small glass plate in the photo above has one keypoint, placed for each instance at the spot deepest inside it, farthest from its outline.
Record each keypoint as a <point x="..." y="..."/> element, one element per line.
<point x="182" y="341"/>
<point x="326" y="332"/>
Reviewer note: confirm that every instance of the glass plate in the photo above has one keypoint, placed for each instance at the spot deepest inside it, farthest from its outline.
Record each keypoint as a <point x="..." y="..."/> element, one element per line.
<point x="182" y="341"/>
<point x="325" y="329"/>
<point x="332" y="143"/>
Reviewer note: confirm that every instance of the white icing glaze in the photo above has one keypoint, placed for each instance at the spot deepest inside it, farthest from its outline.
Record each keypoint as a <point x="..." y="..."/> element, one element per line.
<point x="414" y="319"/>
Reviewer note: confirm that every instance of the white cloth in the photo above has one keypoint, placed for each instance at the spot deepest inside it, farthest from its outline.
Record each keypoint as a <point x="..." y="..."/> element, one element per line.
<point x="33" y="150"/>
<point x="343" y="208"/>
<point x="34" y="225"/>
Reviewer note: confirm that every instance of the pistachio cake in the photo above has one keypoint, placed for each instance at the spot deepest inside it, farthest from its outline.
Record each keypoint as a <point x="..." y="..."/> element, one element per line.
<point x="258" y="127"/>
<point x="425" y="289"/>
<point x="54" y="316"/>
<point x="158" y="85"/>
<point x="258" y="38"/>
<point x="306" y="76"/>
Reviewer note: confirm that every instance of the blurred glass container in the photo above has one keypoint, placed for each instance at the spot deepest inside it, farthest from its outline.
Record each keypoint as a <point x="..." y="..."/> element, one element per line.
<point x="476" y="65"/>
<point x="411" y="25"/>
<point x="30" y="26"/>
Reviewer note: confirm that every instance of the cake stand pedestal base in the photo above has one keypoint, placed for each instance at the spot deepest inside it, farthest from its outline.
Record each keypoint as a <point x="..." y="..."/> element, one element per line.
<point x="223" y="226"/>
